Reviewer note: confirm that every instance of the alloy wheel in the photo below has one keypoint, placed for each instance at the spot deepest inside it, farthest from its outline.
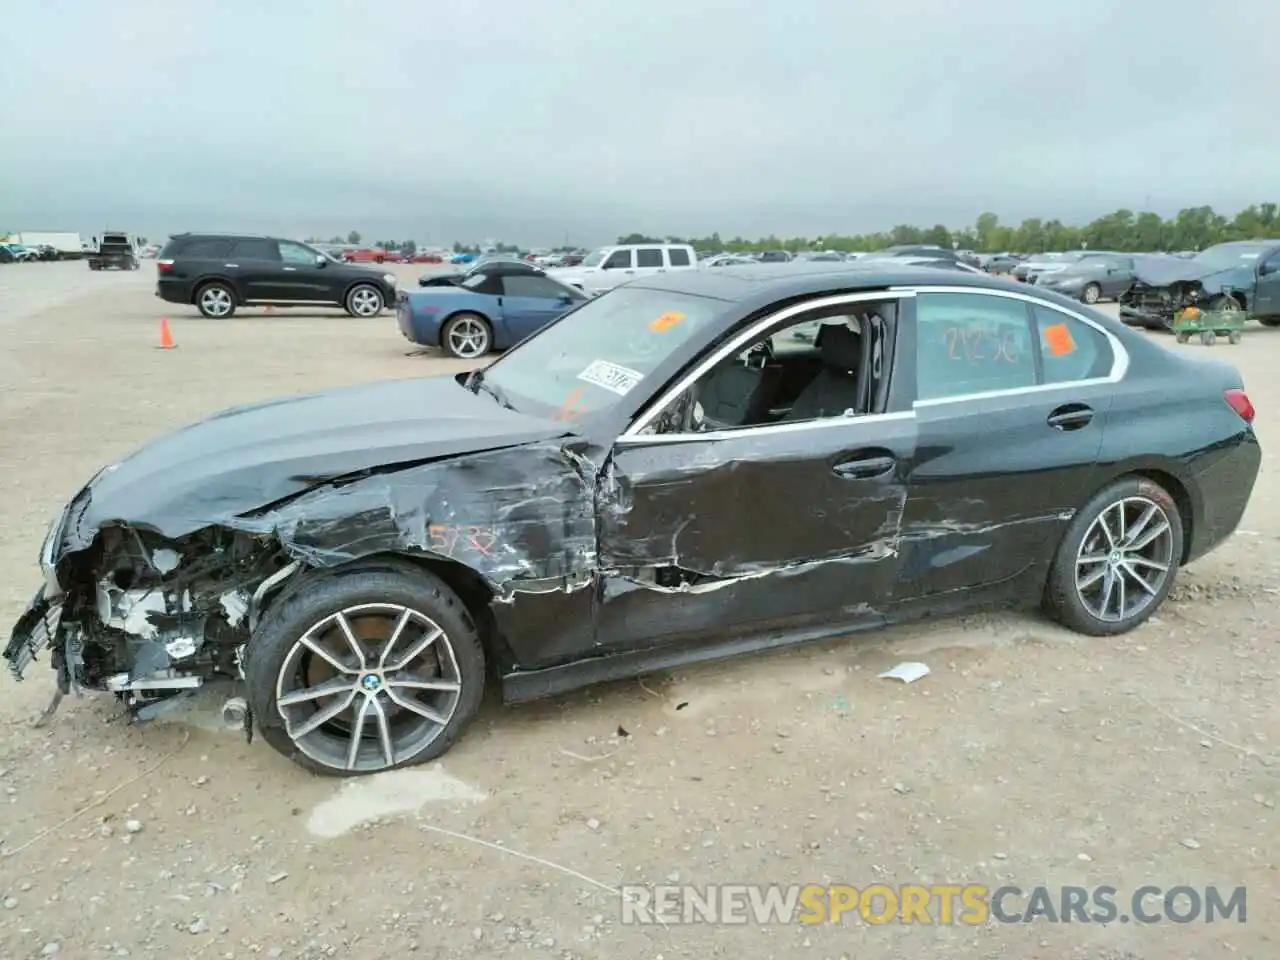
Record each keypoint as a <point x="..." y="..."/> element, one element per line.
<point x="468" y="338"/>
<point x="1124" y="559"/>
<point x="1091" y="293"/>
<point x="216" y="301"/>
<point x="368" y="688"/>
<point x="365" y="302"/>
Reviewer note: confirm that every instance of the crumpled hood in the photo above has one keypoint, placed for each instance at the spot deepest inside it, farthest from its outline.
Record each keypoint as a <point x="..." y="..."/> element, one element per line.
<point x="1165" y="272"/>
<point x="247" y="457"/>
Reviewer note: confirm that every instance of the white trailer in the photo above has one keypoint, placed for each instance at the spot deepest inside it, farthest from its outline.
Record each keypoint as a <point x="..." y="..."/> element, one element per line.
<point x="67" y="244"/>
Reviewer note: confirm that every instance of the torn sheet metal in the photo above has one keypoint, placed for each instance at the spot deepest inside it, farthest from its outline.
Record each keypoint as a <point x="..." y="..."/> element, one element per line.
<point x="517" y="516"/>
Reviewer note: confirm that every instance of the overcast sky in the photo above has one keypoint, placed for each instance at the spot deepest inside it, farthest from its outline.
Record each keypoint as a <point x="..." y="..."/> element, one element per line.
<point x="540" y="120"/>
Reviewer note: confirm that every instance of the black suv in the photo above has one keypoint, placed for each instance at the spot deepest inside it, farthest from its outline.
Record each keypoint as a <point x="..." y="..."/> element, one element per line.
<point x="219" y="272"/>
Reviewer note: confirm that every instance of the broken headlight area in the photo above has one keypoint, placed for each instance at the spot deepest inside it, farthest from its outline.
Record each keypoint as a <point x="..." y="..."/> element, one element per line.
<point x="149" y="619"/>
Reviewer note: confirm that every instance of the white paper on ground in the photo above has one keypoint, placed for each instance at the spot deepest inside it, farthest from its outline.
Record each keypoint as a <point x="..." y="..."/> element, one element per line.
<point x="906" y="672"/>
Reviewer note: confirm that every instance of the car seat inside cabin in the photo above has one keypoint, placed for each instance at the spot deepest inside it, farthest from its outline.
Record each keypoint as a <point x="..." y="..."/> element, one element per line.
<point x="814" y="369"/>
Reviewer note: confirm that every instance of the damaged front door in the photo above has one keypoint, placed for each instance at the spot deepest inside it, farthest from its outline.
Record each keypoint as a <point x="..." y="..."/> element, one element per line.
<point x="778" y="527"/>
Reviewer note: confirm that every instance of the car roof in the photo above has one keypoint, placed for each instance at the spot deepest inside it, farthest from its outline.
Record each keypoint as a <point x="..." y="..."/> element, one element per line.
<point x="762" y="285"/>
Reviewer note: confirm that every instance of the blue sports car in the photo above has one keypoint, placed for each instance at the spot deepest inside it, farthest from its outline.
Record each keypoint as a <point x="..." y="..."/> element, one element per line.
<point x="493" y="307"/>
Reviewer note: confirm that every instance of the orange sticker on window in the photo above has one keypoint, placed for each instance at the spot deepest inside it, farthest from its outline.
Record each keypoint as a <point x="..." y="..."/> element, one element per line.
<point x="1058" y="339"/>
<point x="569" y="409"/>
<point x="666" y="322"/>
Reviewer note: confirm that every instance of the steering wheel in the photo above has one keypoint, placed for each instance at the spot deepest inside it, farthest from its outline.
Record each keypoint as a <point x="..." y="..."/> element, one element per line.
<point x="760" y="353"/>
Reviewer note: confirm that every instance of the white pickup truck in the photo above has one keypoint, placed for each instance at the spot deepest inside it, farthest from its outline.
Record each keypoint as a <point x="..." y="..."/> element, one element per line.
<point x="610" y="267"/>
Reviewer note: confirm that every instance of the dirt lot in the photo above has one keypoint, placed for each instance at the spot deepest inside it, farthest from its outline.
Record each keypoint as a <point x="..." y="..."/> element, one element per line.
<point x="1028" y="755"/>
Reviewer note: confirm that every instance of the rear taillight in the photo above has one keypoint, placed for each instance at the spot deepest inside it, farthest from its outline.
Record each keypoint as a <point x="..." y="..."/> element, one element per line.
<point x="1240" y="403"/>
<point x="164" y="266"/>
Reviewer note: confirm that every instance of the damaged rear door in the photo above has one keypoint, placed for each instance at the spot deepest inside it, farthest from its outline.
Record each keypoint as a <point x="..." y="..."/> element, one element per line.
<point x="1013" y="398"/>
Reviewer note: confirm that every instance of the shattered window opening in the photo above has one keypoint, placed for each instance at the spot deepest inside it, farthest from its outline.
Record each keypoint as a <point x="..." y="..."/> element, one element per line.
<point x="814" y="368"/>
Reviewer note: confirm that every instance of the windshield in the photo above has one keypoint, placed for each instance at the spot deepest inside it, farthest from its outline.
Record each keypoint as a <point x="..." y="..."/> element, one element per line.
<point x="1225" y="257"/>
<point x="595" y="258"/>
<point x="586" y="362"/>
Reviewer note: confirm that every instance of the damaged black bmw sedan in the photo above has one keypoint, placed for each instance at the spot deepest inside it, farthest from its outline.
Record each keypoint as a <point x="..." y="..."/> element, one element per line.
<point x="690" y="466"/>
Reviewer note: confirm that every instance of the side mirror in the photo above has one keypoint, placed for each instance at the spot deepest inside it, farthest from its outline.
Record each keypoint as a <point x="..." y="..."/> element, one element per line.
<point x="321" y="260"/>
<point x="1271" y="266"/>
<point x="565" y="299"/>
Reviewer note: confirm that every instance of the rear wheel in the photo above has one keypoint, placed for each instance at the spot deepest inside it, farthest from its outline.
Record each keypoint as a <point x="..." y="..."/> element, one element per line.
<point x="1225" y="304"/>
<point x="364" y="300"/>
<point x="367" y="670"/>
<point x="1117" y="560"/>
<point x="1235" y="336"/>
<point x="1269" y="321"/>
<point x="217" y="301"/>
<point x="1208" y="338"/>
<point x="466" y="336"/>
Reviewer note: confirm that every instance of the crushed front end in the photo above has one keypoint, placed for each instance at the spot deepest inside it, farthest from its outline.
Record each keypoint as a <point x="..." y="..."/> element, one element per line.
<point x="142" y="617"/>
<point x="1155" y="307"/>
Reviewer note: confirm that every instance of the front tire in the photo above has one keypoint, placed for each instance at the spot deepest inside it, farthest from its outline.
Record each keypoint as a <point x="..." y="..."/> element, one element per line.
<point x="1091" y="293"/>
<point x="367" y="670"/>
<point x="466" y="336"/>
<point x="1117" y="560"/>
<point x="217" y="301"/>
<point x="364" y="300"/>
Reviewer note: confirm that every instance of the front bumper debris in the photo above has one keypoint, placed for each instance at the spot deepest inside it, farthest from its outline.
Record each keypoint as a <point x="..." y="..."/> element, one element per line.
<point x="35" y="632"/>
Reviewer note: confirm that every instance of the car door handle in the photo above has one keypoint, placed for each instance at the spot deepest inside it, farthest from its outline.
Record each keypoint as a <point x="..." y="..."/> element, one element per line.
<point x="290" y="269"/>
<point x="864" y="469"/>
<point x="1071" y="416"/>
<point x="231" y="265"/>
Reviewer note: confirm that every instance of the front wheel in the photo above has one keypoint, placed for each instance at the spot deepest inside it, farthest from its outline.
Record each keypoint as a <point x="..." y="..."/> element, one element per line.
<point x="1091" y="293"/>
<point x="364" y="671"/>
<point x="1117" y="560"/>
<point x="466" y="336"/>
<point x="364" y="300"/>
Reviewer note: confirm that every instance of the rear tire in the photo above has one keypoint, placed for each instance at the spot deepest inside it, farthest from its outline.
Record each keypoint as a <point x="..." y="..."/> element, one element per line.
<point x="364" y="300"/>
<point x="1225" y="303"/>
<point x="1269" y="321"/>
<point x="466" y="336"/>
<point x="1118" y="541"/>
<point x="216" y="300"/>
<point x="366" y="597"/>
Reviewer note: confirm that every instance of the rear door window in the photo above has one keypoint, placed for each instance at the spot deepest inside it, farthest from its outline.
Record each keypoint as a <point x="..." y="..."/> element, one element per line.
<point x="969" y="343"/>
<point x="649" y="257"/>
<point x="205" y="248"/>
<point x="678" y="257"/>
<point x="255" y="249"/>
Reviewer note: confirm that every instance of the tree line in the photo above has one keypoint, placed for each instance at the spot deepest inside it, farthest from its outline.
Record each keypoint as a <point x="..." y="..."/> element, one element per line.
<point x="1194" y="228"/>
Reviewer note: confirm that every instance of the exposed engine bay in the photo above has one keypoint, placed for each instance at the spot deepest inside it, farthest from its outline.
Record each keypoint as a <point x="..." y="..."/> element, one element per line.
<point x="1162" y="303"/>
<point x="156" y="620"/>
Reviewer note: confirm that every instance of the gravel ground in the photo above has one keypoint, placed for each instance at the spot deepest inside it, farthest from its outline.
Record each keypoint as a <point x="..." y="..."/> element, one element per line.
<point x="1028" y="756"/>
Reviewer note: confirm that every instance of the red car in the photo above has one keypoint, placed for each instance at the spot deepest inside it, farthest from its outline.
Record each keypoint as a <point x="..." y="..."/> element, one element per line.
<point x="426" y="258"/>
<point x="370" y="256"/>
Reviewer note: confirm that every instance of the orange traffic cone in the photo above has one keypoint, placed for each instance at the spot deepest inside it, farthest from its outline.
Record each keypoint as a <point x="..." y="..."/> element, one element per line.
<point x="166" y="336"/>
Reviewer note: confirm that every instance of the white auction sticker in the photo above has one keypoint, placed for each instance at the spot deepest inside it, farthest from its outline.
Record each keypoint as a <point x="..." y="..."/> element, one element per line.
<point x="619" y="380"/>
